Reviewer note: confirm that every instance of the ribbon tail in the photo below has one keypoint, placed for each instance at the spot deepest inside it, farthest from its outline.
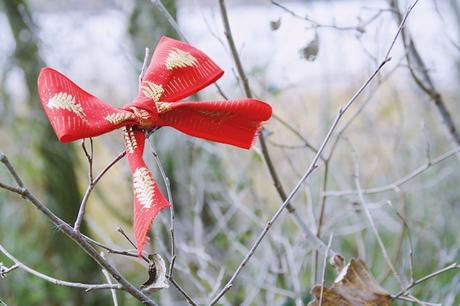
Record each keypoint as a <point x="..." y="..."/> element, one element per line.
<point x="148" y="199"/>
<point x="233" y="122"/>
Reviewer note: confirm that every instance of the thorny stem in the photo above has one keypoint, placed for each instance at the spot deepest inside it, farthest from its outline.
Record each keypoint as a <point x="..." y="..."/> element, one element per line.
<point x="313" y="164"/>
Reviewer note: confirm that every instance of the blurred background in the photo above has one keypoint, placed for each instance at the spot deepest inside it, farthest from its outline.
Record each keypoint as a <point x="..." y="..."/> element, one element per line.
<point x="305" y="58"/>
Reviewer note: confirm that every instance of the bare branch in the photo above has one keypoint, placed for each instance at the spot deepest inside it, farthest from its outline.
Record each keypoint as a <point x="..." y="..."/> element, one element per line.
<point x="399" y="182"/>
<point x="452" y="266"/>
<point x="171" y="208"/>
<point x="20" y="265"/>
<point x="323" y="275"/>
<point x="91" y="184"/>
<point x="109" y="280"/>
<point x="371" y="220"/>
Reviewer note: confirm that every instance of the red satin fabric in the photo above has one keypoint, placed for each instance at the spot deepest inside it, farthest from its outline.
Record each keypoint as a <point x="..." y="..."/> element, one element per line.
<point x="177" y="70"/>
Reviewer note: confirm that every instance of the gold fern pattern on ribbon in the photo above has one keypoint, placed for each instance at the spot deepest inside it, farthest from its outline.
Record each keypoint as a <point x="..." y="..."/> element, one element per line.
<point x="117" y="118"/>
<point x="130" y="140"/>
<point x="63" y="100"/>
<point x="178" y="58"/>
<point x="153" y="91"/>
<point x="143" y="187"/>
<point x="163" y="107"/>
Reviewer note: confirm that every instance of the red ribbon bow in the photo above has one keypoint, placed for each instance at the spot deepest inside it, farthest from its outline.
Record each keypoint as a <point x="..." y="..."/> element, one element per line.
<point x="177" y="70"/>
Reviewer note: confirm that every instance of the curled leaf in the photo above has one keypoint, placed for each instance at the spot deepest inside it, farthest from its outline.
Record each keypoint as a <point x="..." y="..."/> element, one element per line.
<point x="354" y="286"/>
<point x="310" y="51"/>
<point x="157" y="275"/>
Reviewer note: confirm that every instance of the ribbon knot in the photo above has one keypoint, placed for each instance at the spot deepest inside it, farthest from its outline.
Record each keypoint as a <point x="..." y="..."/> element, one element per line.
<point x="177" y="70"/>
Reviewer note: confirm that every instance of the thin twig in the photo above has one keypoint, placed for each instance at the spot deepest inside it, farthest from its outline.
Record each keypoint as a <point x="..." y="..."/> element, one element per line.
<point x="399" y="182"/>
<point x="371" y="220"/>
<point x="89" y="156"/>
<point x="323" y="275"/>
<point x="170" y="18"/>
<point x="359" y="28"/>
<point x="11" y="169"/>
<point x="92" y="183"/>
<point x="20" y="265"/>
<point x="179" y="288"/>
<point x="171" y="208"/>
<point x="411" y="245"/>
<point x="425" y="278"/>
<point x="144" y="66"/>
<point x="121" y="231"/>
<point x="113" y="251"/>
<point x="109" y="280"/>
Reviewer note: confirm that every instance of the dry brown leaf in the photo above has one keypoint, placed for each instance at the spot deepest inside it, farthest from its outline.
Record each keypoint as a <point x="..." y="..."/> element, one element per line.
<point x="275" y="24"/>
<point x="354" y="286"/>
<point x="157" y="275"/>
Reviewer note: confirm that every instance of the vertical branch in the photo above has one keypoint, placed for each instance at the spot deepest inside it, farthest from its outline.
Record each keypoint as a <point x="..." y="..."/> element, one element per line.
<point x="144" y="67"/>
<point x="323" y="275"/>
<point x="171" y="209"/>
<point x="89" y="156"/>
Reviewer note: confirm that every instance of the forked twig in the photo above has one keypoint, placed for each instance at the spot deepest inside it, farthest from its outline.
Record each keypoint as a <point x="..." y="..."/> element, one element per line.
<point x="92" y="183"/>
